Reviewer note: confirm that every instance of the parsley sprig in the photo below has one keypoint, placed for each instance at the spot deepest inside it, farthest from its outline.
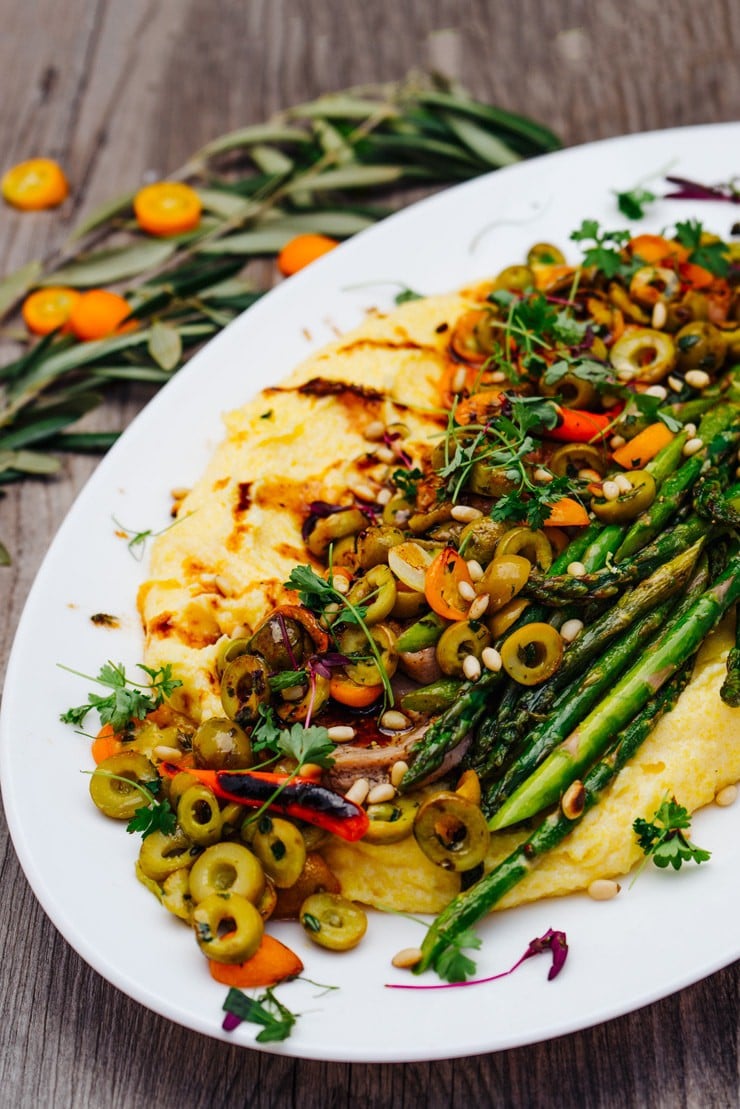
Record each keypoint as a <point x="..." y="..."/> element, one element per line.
<point x="664" y="839"/>
<point x="713" y="256"/>
<point x="276" y="1019"/>
<point x="128" y="701"/>
<point x="154" y="816"/>
<point x="306" y="745"/>
<point x="606" y="252"/>
<point x="452" y="964"/>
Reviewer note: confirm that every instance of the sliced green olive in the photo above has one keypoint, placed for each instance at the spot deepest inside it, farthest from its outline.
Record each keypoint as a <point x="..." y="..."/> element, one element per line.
<point x="398" y="511"/>
<point x="515" y="278"/>
<point x="505" y="617"/>
<point x="424" y="633"/>
<point x="280" y="848"/>
<point x="329" y="529"/>
<point x="571" y="458"/>
<point x="627" y="505"/>
<point x="149" y="883"/>
<point x="478" y="539"/>
<point x="504" y="578"/>
<point x="650" y="284"/>
<point x="410" y="603"/>
<point x="700" y="346"/>
<point x="344" y="552"/>
<point x="463" y="638"/>
<point x="374" y="543"/>
<point x="643" y="354"/>
<point x="363" y="668"/>
<point x="114" y="797"/>
<point x="333" y="922"/>
<point x="421" y="522"/>
<point x="434" y="697"/>
<point x="227" y="927"/>
<point x="489" y="480"/>
<point x="376" y="592"/>
<point x="452" y="831"/>
<point x="227" y="868"/>
<point x="232" y="816"/>
<point x="176" y="896"/>
<point x="315" y="694"/>
<point x="176" y="786"/>
<point x="199" y="816"/>
<point x="282" y="642"/>
<point x="220" y="744"/>
<point x="532" y="653"/>
<point x="245" y="685"/>
<point x="532" y="545"/>
<point x="229" y="650"/>
<point x="545" y="254"/>
<point x="574" y="391"/>
<point x="160" y="854"/>
<point x="391" y="821"/>
<point x="621" y="299"/>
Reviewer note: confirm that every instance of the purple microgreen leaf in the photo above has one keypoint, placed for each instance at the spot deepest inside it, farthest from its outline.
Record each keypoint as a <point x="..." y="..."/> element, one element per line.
<point x="553" y="941"/>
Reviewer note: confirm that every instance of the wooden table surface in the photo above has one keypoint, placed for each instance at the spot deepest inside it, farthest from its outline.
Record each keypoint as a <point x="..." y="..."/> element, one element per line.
<point x="117" y="90"/>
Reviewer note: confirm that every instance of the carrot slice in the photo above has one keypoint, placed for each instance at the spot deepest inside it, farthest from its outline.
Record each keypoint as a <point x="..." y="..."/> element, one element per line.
<point x="567" y="513"/>
<point x="442" y="584"/>
<point x="634" y="454"/>
<point x="695" y="276"/>
<point x="301" y="251"/>
<point x="105" y="744"/>
<point x="271" y="963"/>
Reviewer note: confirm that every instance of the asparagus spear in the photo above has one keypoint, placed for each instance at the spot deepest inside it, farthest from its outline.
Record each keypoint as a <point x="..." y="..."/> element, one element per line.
<point x="577" y="700"/>
<point x="730" y="691"/>
<point x="586" y="743"/>
<point x="469" y="907"/>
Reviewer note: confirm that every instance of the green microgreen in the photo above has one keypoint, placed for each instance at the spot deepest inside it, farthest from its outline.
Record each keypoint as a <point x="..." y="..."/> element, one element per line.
<point x="606" y="252"/>
<point x="713" y="256"/>
<point x="452" y="964"/>
<point x="664" y="839"/>
<point x="276" y="1019"/>
<point x="137" y="540"/>
<point x="129" y="700"/>
<point x="633" y="202"/>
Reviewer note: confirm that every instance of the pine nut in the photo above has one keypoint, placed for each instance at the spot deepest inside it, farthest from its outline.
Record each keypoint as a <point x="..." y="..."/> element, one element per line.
<point x="675" y="384"/>
<point x="358" y="791"/>
<point x="659" y="391"/>
<point x="497" y="377"/>
<point x="603" y="889"/>
<point x="384" y="496"/>
<point x="589" y="475"/>
<point x="471" y="668"/>
<point x="691" y="446"/>
<point x="407" y="958"/>
<point x="610" y="491"/>
<point x="340" y="583"/>
<point x="375" y="430"/>
<point x="458" y="381"/>
<point x="292" y="693"/>
<point x="573" y="801"/>
<point x="385" y="454"/>
<point x="363" y="492"/>
<point x="393" y="721"/>
<point x="660" y="315"/>
<point x="623" y="483"/>
<point x="726" y="797"/>
<point x="341" y="733"/>
<point x="690" y="430"/>
<point x="168" y="754"/>
<point x="475" y="569"/>
<point x="398" y="771"/>
<point x="479" y="606"/>
<point x="576" y="569"/>
<point x="571" y="629"/>
<point x="464" y="513"/>
<point x="697" y="379"/>
<point x="380" y="793"/>
<point x="543" y="475"/>
<point x="466" y="591"/>
<point x="491" y="659"/>
<point x="617" y="441"/>
<point x="311" y="770"/>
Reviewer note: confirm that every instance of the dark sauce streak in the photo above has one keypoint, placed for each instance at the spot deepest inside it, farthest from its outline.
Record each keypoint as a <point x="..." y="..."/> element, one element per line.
<point x="104" y="620"/>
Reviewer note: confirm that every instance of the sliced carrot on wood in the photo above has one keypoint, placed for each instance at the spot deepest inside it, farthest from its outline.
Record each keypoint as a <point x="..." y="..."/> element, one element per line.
<point x="271" y="963"/>
<point x="567" y="513"/>
<point x="47" y="309"/>
<point x="634" y="454"/>
<point x="105" y="744"/>
<point x="301" y="251"/>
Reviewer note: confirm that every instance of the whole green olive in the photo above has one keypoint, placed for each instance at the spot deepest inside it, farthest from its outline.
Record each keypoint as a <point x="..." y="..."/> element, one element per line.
<point x="245" y="685"/>
<point x="199" y="816"/>
<point x="532" y="545"/>
<point x="463" y="638"/>
<point x="376" y="592"/>
<point x="700" y="346"/>
<point x="628" y="505"/>
<point x="398" y="511"/>
<point x="113" y="784"/>
<point x="230" y="649"/>
<point x="332" y="921"/>
<point x="374" y="543"/>
<point x="504" y="578"/>
<point x="220" y="744"/>
<point x="545" y="254"/>
<point x="515" y="278"/>
<point x="391" y="821"/>
<point x="489" y="480"/>
<point x="227" y="868"/>
<point x="479" y="537"/>
<point x="227" y="927"/>
<point x="282" y="641"/>
<point x="452" y="831"/>
<point x="280" y="848"/>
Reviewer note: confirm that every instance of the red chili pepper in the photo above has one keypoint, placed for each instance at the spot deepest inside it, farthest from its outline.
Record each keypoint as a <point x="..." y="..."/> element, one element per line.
<point x="577" y="426"/>
<point x="299" y="797"/>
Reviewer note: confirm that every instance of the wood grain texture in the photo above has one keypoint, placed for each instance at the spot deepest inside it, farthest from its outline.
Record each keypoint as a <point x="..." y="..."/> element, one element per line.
<point x="120" y="90"/>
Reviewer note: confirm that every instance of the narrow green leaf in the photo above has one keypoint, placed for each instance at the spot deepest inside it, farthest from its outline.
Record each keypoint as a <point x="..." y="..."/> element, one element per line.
<point x="264" y="241"/>
<point x="342" y="107"/>
<point x="29" y="462"/>
<point x="50" y="421"/>
<point x="333" y="142"/>
<point x="128" y="373"/>
<point x="16" y="284"/>
<point x="249" y="136"/>
<point x="273" y="235"/>
<point x="15" y="371"/>
<point x="349" y="177"/>
<point x="165" y="345"/>
<point x="88" y="442"/>
<point x="223" y="204"/>
<point x="107" y="266"/>
<point x="497" y="118"/>
<point x="120" y="205"/>
<point x="402" y="146"/>
<point x="269" y="159"/>
<point x="487" y="146"/>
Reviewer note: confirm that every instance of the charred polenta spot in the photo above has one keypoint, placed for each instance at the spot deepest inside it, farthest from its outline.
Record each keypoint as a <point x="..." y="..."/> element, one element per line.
<point x="243" y="498"/>
<point x="162" y="625"/>
<point x="296" y="553"/>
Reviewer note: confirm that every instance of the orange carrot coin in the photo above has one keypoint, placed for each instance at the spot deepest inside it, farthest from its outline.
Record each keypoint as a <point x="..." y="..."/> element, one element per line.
<point x="301" y="251"/>
<point x="47" y="309"/>
<point x="271" y="963"/>
<point x="167" y="208"/>
<point x="347" y="692"/>
<point x="35" y="184"/>
<point x="98" y="313"/>
<point x="105" y="744"/>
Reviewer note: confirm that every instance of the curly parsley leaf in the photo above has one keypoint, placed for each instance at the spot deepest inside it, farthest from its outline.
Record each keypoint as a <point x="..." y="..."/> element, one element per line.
<point x="712" y="256"/>
<point x="266" y="732"/>
<point x="276" y="1019"/>
<point x="452" y="964"/>
<point x="664" y="839"/>
<point x="532" y="505"/>
<point x="129" y="700"/>
<point x="605" y="253"/>
<point x="307" y="745"/>
<point x="632" y="203"/>
<point x="154" y="817"/>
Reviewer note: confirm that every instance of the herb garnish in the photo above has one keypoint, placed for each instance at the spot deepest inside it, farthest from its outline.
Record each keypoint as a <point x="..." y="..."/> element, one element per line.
<point x="276" y="1019"/>
<point x="632" y="203"/>
<point x="154" y="816"/>
<point x="129" y="700"/>
<point x="553" y="941"/>
<point x="665" y="838"/>
<point x="712" y="256"/>
<point x="406" y="482"/>
<point x="605" y="254"/>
